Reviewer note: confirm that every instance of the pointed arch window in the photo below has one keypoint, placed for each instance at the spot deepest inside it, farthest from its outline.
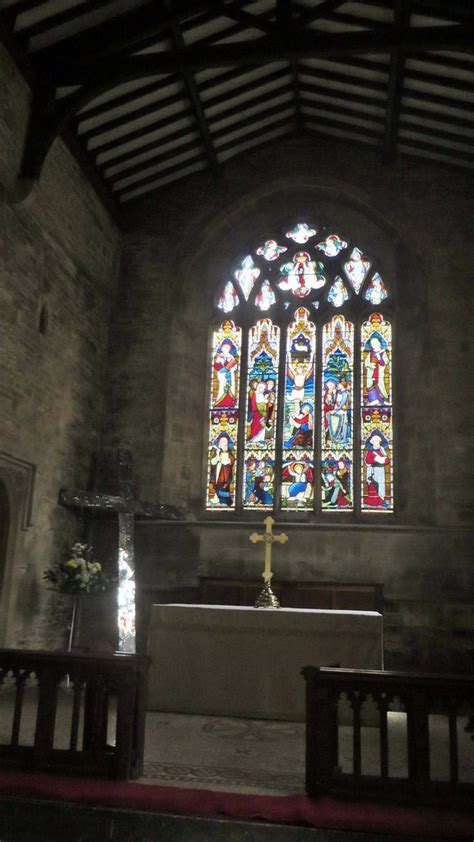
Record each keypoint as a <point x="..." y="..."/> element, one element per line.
<point x="301" y="409"/>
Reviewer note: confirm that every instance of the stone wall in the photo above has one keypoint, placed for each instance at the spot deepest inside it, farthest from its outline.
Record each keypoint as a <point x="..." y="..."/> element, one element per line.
<point x="59" y="261"/>
<point x="415" y="216"/>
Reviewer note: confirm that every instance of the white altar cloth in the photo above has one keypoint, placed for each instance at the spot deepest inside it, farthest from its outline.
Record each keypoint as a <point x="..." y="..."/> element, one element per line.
<point x="239" y="661"/>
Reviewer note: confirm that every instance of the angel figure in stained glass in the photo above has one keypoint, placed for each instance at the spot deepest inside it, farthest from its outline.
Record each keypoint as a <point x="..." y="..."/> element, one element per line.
<point x="356" y="268"/>
<point x="247" y="275"/>
<point x="376" y="460"/>
<point x="228" y="299"/>
<point x="301" y="275"/>
<point x="225" y="366"/>
<point x="265" y="297"/>
<point x="222" y="469"/>
<point x="338" y="293"/>
<point x="271" y="250"/>
<point x="376" y="291"/>
<point x="375" y="363"/>
<point x="301" y="233"/>
<point x="332" y="245"/>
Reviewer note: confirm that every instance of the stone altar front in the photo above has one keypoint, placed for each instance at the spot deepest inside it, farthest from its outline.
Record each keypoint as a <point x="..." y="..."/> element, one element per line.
<point x="239" y="661"/>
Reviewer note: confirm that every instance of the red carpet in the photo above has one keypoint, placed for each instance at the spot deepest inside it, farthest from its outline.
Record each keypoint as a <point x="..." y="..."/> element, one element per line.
<point x="290" y="809"/>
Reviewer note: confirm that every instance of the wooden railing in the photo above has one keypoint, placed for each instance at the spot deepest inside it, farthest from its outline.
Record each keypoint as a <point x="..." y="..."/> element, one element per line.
<point x="71" y="713"/>
<point x="400" y="702"/>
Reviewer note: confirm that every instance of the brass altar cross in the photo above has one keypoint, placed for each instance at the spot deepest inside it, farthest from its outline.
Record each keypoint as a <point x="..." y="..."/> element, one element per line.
<point x="267" y="598"/>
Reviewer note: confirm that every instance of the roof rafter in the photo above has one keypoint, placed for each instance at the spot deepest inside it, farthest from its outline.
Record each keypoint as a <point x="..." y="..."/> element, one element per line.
<point x="395" y="83"/>
<point x="265" y="50"/>
<point x="60" y="18"/>
<point x="193" y="93"/>
<point x="132" y="30"/>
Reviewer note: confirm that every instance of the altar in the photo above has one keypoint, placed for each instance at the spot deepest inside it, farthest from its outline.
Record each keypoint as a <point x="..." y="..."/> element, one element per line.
<point x="242" y="661"/>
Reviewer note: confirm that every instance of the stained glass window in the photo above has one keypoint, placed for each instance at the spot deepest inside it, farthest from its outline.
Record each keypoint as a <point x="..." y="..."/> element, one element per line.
<point x="301" y="275"/>
<point x="282" y="399"/>
<point x="301" y="233"/>
<point x="262" y="398"/>
<point x="271" y="250"/>
<point x="376" y="415"/>
<point x="356" y="269"/>
<point x="246" y="275"/>
<point x="224" y="416"/>
<point x="332" y="245"/>
<point x="376" y="291"/>
<point x="228" y="298"/>
<point x="265" y="297"/>
<point x="338" y="293"/>
<point x="336" y="411"/>
<point x="297" y="484"/>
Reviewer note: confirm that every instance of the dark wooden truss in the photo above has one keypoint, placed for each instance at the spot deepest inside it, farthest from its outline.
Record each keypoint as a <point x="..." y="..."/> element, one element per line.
<point x="132" y="90"/>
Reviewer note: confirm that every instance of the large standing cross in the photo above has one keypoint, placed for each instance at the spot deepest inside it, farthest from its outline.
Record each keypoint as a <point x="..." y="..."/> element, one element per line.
<point x="267" y="598"/>
<point x="127" y="507"/>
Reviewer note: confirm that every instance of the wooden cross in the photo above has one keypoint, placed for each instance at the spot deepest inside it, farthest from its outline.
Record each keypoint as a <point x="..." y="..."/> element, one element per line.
<point x="268" y="538"/>
<point x="127" y="508"/>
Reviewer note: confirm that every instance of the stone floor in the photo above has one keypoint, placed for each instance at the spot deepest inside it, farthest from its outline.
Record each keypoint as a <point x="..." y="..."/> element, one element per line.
<point x="242" y="755"/>
<point x="262" y="756"/>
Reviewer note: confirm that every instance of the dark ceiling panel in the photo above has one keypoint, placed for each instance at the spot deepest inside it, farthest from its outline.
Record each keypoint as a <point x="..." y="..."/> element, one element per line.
<point x="163" y="90"/>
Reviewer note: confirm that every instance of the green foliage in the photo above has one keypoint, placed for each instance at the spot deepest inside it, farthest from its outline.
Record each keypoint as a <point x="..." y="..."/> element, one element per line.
<point x="77" y="574"/>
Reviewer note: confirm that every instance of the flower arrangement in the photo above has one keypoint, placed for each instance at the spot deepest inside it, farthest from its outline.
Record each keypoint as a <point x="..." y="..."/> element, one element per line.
<point x="77" y="574"/>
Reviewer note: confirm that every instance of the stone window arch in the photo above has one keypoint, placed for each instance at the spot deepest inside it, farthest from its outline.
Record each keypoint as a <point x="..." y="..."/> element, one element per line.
<point x="300" y="387"/>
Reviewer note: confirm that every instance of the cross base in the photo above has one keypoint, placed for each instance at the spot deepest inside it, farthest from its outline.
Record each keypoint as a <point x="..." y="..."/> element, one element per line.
<point x="267" y="598"/>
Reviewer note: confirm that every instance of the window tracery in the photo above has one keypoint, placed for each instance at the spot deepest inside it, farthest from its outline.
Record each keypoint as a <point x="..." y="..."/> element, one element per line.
<point x="302" y="321"/>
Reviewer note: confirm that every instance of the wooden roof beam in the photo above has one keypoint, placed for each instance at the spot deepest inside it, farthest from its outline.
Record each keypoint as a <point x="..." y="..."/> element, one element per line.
<point x="395" y="83"/>
<point x="101" y="73"/>
<point x="125" y="33"/>
<point x="193" y="94"/>
<point x="50" y="22"/>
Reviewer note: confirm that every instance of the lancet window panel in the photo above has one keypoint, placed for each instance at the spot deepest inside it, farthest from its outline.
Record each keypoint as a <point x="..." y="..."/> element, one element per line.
<point x="223" y="416"/>
<point x="300" y="414"/>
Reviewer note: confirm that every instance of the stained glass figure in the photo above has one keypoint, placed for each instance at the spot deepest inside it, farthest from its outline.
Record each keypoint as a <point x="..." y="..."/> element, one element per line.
<point x="301" y="233"/>
<point x="338" y="294"/>
<point x="298" y="411"/>
<point x="265" y="297"/>
<point x="356" y="269"/>
<point x="262" y="386"/>
<point x="247" y="275"/>
<point x="223" y="416"/>
<point x="376" y="415"/>
<point x="301" y="275"/>
<point x="297" y="481"/>
<point x="271" y="250"/>
<point x="259" y="479"/>
<point x="336" y="481"/>
<point x="376" y="291"/>
<point x="336" y="411"/>
<point x="228" y="299"/>
<point x="332" y="245"/>
<point x="222" y="455"/>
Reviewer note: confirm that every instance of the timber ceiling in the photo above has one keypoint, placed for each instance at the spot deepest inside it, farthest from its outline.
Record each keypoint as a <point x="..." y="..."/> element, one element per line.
<point x="154" y="91"/>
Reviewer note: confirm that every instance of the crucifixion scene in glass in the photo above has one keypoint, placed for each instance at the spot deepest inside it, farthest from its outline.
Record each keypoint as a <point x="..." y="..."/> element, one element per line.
<point x="301" y="408"/>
